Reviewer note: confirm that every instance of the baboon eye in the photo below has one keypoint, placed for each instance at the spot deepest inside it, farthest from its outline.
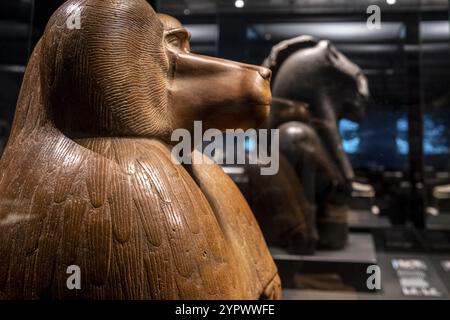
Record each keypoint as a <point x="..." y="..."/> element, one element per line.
<point x="178" y="39"/>
<point x="174" y="40"/>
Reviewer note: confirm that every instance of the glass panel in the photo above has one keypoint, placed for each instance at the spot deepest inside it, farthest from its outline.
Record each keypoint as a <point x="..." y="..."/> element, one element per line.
<point x="435" y="66"/>
<point x="15" y="41"/>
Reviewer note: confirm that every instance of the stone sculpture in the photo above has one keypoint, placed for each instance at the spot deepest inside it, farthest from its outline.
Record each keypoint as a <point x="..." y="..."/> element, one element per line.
<point x="315" y="72"/>
<point x="87" y="179"/>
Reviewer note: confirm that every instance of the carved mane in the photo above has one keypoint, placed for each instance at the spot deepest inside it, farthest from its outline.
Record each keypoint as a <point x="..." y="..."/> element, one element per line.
<point x="284" y="49"/>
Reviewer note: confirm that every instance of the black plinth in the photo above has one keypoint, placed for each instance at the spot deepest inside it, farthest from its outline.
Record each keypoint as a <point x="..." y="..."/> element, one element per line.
<point x="341" y="270"/>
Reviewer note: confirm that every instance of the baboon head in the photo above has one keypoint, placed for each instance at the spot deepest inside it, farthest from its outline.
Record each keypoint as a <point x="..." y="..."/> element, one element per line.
<point x="129" y="72"/>
<point x="308" y="70"/>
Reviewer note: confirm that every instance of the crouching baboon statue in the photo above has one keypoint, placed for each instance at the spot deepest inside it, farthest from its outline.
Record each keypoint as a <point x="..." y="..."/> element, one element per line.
<point x="315" y="72"/>
<point x="281" y="203"/>
<point x="87" y="178"/>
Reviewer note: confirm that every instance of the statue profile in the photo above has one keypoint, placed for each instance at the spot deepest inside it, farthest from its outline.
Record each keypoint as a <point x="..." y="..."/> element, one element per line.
<point x="87" y="177"/>
<point x="316" y="73"/>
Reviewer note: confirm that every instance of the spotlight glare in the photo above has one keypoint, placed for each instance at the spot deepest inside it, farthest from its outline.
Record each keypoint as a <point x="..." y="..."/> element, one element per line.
<point x="391" y="2"/>
<point x="239" y="4"/>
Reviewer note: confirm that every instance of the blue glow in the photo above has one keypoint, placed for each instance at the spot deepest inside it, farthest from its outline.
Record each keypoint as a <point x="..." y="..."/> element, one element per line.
<point x="402" y="136"/>
<point x="402" y="125"/>
<point x="435" y="141"/>
<point x="382" y="139"/>
<point x="402" y="146"/>
<point x="251" y="34"/>
<point x="250" y="144"/>
<point x="349" y="132"/>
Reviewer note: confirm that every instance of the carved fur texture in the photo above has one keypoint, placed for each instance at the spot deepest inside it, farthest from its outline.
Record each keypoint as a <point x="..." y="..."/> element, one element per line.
<point x="87" y="177"/>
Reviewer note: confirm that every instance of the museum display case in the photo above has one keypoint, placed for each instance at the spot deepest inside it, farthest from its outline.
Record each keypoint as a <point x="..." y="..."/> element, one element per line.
<point x="345" y="176"/>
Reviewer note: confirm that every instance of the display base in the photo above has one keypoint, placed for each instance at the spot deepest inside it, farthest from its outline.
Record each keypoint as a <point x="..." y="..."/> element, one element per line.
<point x="340" y="270"/>
<point x="410" y="268"/>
